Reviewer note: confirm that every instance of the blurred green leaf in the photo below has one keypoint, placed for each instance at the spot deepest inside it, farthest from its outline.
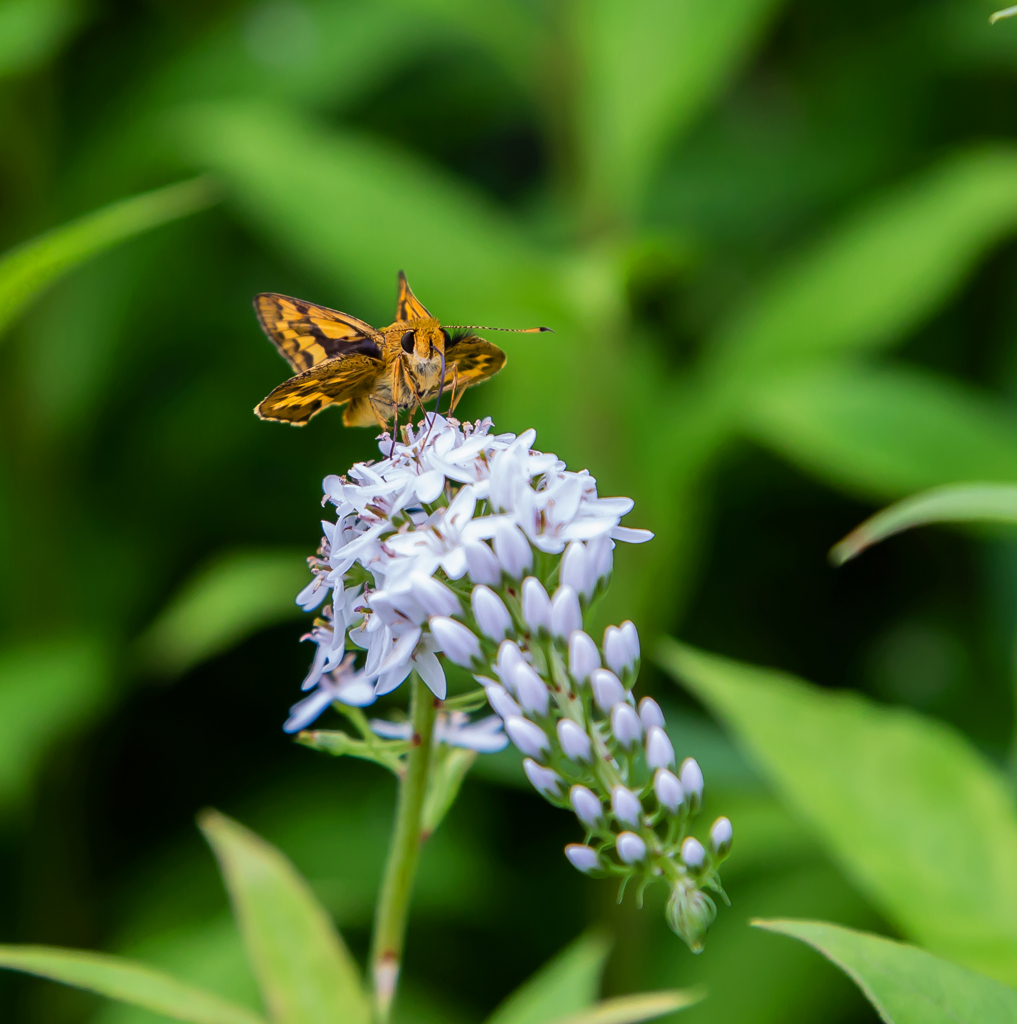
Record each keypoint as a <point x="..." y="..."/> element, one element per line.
<point x="883" y="271"/>
<point x="960" y="503"/>
<point x="127" y="982"/>
<point x="883" y="432"/>
<point x="631" y="1009"/>
<point x="234" y="596"/>
<point x="565" y="985"/>
<point x="913" y="814"/>
<point x="27" y="269"/>
<point x="452" y="764"/>
<point x="304" y="971"/>
<point x="32" y="31"/>
<point x="650" y="68"/>
<point x="906" y="985"/>
<point x="47" y="690"/>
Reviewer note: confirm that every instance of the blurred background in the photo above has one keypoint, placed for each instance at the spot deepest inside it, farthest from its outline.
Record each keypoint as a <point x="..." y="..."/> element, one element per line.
<point x="776" y="242"/>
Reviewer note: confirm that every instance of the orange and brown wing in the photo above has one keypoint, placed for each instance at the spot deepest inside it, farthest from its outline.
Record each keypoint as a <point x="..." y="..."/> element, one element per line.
<point x="408" y="306"/>
<point x="333" y="382"/>
<point x="472" y="360"/>
<point x="307" y="335"/>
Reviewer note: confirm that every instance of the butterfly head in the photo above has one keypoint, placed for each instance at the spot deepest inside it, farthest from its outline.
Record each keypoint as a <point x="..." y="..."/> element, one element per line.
<point x="424" y="339"/>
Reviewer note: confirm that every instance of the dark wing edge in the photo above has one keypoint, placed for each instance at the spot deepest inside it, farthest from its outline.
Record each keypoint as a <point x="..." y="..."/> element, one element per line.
<point x="333" y="382"/>
<point x="408" y="306"/>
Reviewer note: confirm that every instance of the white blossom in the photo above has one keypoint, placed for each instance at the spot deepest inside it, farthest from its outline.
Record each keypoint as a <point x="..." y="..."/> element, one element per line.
<point x="456" y="730"/>
<point x="343" y="685"/>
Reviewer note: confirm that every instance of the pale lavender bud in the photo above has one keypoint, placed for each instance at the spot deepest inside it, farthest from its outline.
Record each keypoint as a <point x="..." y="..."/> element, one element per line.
<point x="692" y="780"/>
<point x="529" y="738"/>
<point x="631" y="636"/>
<point x="576" y="570"/>
<point x="530" y="689"/>
<point x="582" y="858"/>
<point x="433" y="596"/>
<point x="721" y="834"/>
<point x="482" y="563"/>
<point x="600" y="551"/>
<point x="630" y="847"/>
<point x="607" y="689"/>
<point x="456" y="642"/>
<point x="626" y="806"/>
<point x="659" y="752"/>
<point x="544" y="780"/>
<point x="509" y="656"/>
<point x="513" y="550"/>
<point x="584" y="658"/>
<point x="670" y="794"/>
<point x="575" y="743"/>
<point x="586" y="805"/>
<point x="625" y="725"/>
<point x="499" y="699"/>
<point x="566" y="615"/>
<point x="693" y="853"/>
<point x="619" y="653"/>
<point x="491" y="614"/>
<point x="536" y="605"/>
<point x="650" y="713"/>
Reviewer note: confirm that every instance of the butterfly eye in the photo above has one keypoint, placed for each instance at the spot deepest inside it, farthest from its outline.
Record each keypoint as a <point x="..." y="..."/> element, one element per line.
<point x="407" y="341"/>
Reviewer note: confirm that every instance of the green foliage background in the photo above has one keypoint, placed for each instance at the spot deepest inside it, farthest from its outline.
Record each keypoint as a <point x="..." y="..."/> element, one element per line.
<point x="776" y="244"/>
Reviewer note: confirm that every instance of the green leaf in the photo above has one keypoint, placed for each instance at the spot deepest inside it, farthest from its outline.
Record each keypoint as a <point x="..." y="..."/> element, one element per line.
<point x="127" y="982"/>
<point x="883" y="432"/>
<point x="651" y="66"/>
<point x="922" y="823"/>
<point x="47" y="690"/>
<point x="566" y="984"/>
<point x="304" y="971"/>
<point x="906" y="985"/>
<point x="32" y="31"/>
<point x="229" y="599"/>
<point x="27" y="269"/>
<point x="452" y="765"/>
<point x="630" y="1009"/>
<point x="882" y="272"/>
<point x="960" y="503"/>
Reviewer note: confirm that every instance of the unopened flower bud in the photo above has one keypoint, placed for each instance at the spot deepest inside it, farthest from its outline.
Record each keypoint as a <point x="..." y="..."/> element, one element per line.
<point x="512" y="550"/>
<point x="721" y="834"/>
<point x="536" y="605"/>
<point x="544" y="780"/>
<point x="626" y="806"/>
<point x="693" y="853"/>
<point x="456" y="642"/>
<point x="659" y="752"/>
<point x="690" y="912"/>
<point x="650" y="713"/>
<point x="692" y="781"/>
<point x="600" y="551"/>
<point x="530" y="689"/>
<point x="621" y="648"/>
<point x="482" y="563"/>
<point x="509" y="656"/>
<point x="668" y="790"/>
<point x="582" y="858"/>
<point x="433" y="596"/>
<point x="499" y="699"/>
<point x="630" y="847"/>
<point x="625" y="725"/>
<point x="575" y="743"/>
<point x="492" y="616"/>
<point x="527" y="737"/>
<point x="607" y="689"/>
<point x="586" y="805"/>
<point x="631" y="636"/>
<point x="566" y="615"/>
<point x="577" y="570"/>
<point x="584" y="658"/>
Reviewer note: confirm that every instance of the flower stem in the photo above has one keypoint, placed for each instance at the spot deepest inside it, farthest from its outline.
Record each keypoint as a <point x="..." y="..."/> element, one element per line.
<point x="397" y="885"/>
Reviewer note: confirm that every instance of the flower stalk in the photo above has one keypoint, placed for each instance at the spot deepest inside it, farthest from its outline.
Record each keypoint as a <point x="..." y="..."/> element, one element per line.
<point x="401" y="867"/>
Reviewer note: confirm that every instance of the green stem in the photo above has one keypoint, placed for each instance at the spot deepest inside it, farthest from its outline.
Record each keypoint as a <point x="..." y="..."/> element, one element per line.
<point x="397" y="886"/>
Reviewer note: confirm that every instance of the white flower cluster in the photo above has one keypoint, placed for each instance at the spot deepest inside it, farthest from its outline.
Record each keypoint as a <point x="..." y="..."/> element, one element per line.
<point x="449" y="545"/>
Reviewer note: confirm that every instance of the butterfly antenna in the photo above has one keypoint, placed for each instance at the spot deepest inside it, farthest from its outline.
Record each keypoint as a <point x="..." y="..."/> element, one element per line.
<point x="514" y="330"/>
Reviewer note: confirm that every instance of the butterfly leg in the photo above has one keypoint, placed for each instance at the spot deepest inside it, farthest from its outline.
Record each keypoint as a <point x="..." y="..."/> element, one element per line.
<point x="456" y="398"/>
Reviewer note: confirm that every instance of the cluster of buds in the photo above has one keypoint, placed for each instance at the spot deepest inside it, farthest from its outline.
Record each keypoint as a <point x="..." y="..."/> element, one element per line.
<point x="450" y="545"/>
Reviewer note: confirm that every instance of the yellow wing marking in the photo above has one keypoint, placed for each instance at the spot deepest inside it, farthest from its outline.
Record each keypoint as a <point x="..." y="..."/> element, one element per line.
<point x="408" y="306"/>
<point x="306" y="334"/>
<point x="333" y="382"/>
